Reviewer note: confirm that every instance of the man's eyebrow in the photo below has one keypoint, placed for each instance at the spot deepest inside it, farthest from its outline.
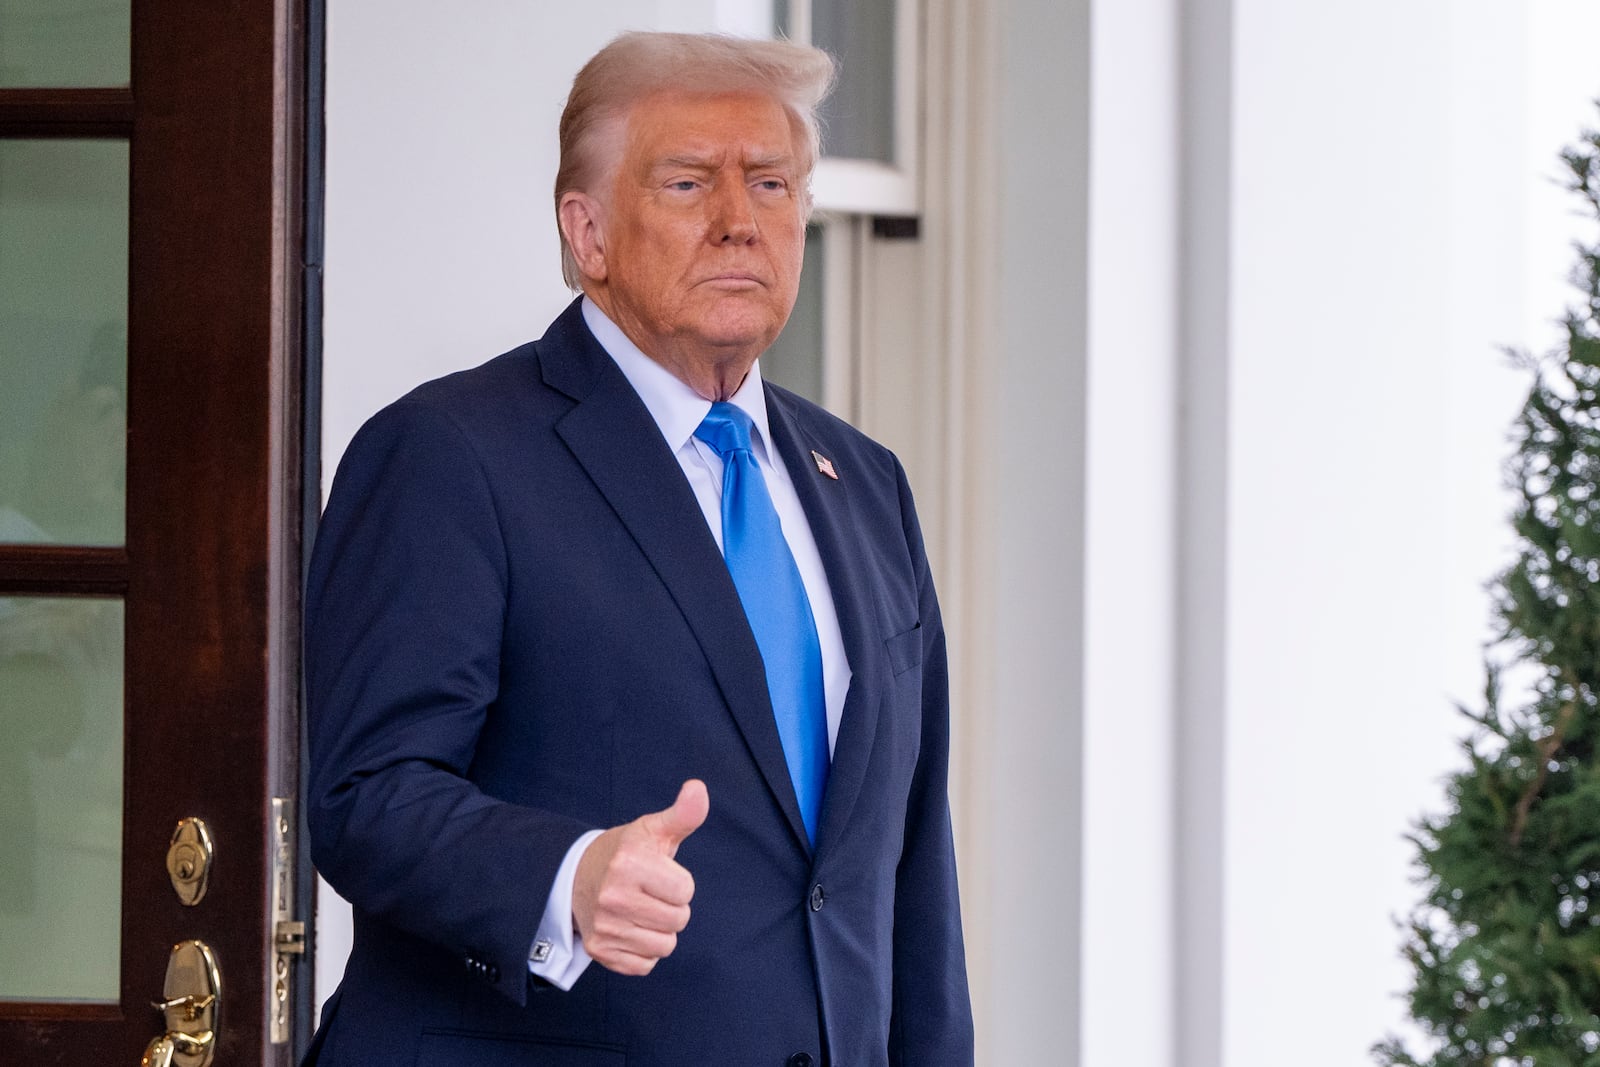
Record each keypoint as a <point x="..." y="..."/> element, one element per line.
<point x="684" y="162"/>
<point x="769" y="162"/>
<point x="690" y="162"/>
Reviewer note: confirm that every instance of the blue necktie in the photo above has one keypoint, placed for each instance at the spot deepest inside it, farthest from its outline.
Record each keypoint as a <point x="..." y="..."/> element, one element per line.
<point x="775" y="602"/>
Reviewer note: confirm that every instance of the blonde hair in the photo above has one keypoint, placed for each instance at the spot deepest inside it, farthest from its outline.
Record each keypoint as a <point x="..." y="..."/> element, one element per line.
<point x="635" y="65"/>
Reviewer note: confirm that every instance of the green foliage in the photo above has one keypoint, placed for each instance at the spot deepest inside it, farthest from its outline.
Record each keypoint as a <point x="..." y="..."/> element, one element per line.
<point x="1506" y="943"/>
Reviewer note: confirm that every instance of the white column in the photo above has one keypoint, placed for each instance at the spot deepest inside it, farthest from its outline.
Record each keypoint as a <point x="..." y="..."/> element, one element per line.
<point x="1206" y="97"/>
<point x="1028" y="809"/>
<point x="1131" y="546"/>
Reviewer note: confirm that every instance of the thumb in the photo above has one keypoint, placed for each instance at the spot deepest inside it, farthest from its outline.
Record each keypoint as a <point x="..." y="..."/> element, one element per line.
<point x="671" y="826"/>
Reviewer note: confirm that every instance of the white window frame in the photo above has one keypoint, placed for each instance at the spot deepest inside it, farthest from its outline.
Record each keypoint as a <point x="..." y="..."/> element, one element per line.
<point x="868" y="186"/>
<point x="842" y="309"/>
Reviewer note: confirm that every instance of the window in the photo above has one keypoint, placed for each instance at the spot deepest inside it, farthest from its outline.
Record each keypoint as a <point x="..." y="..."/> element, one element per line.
<point x="869" y="140"/>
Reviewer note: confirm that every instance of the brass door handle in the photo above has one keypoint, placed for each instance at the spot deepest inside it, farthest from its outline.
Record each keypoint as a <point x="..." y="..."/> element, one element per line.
<point x="160" y="1052"/>
<point x="192" y="996"/>
<point x="179" y="1049"/>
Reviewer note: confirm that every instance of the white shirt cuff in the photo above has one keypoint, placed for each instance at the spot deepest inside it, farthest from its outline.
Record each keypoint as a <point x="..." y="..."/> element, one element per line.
<point x="557" y="954"/>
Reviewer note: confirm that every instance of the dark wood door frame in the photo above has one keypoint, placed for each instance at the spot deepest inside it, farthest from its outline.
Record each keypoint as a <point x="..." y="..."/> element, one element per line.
<point x="217" y="492"/>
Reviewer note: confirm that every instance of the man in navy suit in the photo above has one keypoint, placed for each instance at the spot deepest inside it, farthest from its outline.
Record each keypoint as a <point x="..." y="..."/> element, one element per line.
<point x="627" y="686"/>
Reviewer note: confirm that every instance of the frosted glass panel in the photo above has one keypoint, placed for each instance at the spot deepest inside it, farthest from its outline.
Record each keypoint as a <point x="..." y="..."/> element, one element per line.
<point x="64" y="43"/>
<point x="63" y="341"/>
<point x="858" y="119"/>
<point x="795" y="359"/>
<point x="60" y="798"/>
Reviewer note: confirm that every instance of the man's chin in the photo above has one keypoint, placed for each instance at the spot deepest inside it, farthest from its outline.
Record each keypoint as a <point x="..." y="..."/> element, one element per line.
<point x="752" y="333"/>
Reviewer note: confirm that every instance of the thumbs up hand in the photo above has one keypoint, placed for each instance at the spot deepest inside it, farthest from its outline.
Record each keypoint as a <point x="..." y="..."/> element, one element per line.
<point x="630" y="897"/>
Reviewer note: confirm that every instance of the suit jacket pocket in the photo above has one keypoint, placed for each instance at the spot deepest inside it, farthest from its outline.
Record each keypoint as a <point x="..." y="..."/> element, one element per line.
<point x="905" y="649"/>
<point x="453" y="1048"/>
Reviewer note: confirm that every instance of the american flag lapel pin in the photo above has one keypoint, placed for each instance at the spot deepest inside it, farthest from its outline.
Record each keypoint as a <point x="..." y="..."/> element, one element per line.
<point x="824" y="465"/>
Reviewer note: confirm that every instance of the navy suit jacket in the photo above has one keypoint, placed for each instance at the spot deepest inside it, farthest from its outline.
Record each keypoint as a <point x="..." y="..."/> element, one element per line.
<point x="519" y="628"/>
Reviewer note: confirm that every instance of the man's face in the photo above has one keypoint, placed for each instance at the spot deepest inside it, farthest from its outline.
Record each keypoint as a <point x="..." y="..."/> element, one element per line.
<point x="704" y="229"/>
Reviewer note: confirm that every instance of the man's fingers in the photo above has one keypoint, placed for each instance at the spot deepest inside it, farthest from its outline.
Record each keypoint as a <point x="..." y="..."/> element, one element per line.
<point x="648" y="913"/>
<point x="640" y="942"/>
<point x="632" y="939"/>
<point x="687" y="813"/>
<point x="624" y="962"/>
<point x="638" y="866"/>
<point x="668" y="882"/>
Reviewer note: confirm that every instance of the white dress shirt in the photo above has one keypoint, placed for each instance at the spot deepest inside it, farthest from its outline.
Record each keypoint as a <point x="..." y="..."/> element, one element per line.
<point x="558" y="955"/>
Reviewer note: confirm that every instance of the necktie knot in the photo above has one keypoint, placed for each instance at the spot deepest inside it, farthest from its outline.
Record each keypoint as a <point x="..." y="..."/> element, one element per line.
<point x="726" y="428"/>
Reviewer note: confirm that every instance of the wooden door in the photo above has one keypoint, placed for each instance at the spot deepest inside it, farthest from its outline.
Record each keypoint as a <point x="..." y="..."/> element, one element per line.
<point x="152" y="248"/>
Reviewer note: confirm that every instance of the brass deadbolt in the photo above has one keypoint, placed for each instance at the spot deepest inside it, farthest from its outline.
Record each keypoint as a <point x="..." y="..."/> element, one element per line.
<point x="189" y="860"/>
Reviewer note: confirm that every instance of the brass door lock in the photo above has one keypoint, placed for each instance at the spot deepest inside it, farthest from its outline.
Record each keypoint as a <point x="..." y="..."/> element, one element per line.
<point x="192" y="996"/>
<point x="189" y="860"/>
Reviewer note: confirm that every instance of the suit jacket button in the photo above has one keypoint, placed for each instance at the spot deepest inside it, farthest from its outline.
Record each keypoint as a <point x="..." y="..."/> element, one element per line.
<point x="800" y="1059"/>
<point x="494" y="973"/>
<point x="817" y="898"/>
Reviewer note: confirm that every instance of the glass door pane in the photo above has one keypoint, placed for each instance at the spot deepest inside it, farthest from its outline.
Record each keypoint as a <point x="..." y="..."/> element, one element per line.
<point x="60" y="798"/>
<point x="63" y="341"/>
<point x="59" y="43"/>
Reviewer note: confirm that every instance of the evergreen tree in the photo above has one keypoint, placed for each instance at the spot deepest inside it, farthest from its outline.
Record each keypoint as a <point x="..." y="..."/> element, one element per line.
<point x="1506" y="943"/>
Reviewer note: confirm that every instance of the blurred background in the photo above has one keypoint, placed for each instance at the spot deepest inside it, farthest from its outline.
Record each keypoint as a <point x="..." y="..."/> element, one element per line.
<point x="1185" y="318"/>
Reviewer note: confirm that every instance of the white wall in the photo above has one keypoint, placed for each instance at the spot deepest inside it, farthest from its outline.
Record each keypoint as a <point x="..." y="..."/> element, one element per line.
<point x="1378" y="254"/>
<point x="1410" y="222"/>
<point x="1308" y="241"/>
<point x="1375" y="262"/>
<point x="441" y="245"/>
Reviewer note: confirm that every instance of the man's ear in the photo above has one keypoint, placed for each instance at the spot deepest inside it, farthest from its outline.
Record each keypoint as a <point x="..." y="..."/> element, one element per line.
<point x="581" y="219"/>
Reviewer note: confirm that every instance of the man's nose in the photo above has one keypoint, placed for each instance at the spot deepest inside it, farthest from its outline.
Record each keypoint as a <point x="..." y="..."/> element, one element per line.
<point x="735" y="222"/>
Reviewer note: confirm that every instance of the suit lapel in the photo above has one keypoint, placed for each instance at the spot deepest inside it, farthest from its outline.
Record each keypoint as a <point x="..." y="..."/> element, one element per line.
<point x="612" y="436"/>
<point x="834" y="526"/>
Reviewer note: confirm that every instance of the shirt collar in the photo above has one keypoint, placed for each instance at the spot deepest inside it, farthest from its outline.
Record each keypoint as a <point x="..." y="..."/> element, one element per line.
<point x="676" y="408"/>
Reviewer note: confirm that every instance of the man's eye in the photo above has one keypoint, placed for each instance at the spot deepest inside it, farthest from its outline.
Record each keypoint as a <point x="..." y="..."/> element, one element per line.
<point x="773" y="184"/>
<point x="684" y="186"/>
